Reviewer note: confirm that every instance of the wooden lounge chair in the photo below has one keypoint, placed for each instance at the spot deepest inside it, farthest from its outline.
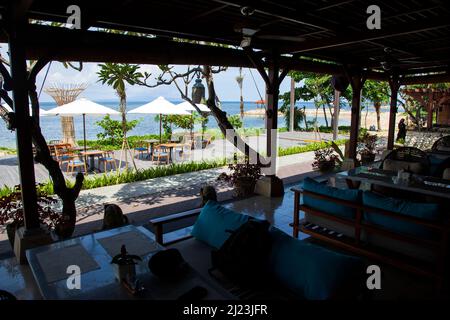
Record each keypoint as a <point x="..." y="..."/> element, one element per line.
<point x="142" y="149"/>
<point x="63" y="155"/>
<point x="108" y="157"/>
<point x="160" y="152"/>
<point x="76" y="163"/>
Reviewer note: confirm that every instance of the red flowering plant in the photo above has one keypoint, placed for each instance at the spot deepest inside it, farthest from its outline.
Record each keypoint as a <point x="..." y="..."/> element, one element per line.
<point x="325" y="159"/>
<point x="11" y="210"/>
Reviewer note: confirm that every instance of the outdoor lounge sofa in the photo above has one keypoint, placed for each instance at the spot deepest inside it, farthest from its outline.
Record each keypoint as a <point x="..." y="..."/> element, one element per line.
<point x="406" y="234"/>
<point x="297" y="269"/>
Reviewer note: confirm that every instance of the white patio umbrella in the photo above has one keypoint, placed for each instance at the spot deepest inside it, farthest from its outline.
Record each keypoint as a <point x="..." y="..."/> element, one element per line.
<point x="81" y="106"/>
<point x="42" y="112"/>
<point x="186" y="105"/>
<point x="162" y="107"/>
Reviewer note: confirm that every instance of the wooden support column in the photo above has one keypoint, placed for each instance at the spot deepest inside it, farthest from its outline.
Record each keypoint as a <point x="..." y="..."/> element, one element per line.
<point x="292" y="106"/>
<point x="356" y="79"/>
<point x="337" y="97"/>
<point x="273" y="91"/>
<point x="270" y="185"/>
<point x="16" y="32"/>
<point x="394" y="84"/>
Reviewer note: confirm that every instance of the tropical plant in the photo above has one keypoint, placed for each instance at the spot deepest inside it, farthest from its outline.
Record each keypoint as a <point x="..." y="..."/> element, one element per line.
<point x="11" y="210"/>
<point x="368" y="142"/>
<point x="377" y="92"/>
<point x="117" y="75"/>
<point x="325" y="160"/>
<point x="235" y="121"/>
<point x="113" y="129"/>
<point x="299" y="116"/>
<point x="240" y="170"/>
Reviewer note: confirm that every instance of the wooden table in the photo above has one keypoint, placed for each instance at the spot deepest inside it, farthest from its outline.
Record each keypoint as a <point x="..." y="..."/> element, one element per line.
<point x="150" y="143"/>
<point x="425" y="185"/>
<point x="101" y="282"/>
<point x="92" y="154"/>
<point x="171" y="146"/>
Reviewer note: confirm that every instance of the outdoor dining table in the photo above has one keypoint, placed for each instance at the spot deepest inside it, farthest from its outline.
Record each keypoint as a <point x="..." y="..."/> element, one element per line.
<point x="171" y="146"/>
<point x="92" y="154"/>
<point x="430" y="186"/>
<point x="93" y="253"/>
<point x="150" y="143"/>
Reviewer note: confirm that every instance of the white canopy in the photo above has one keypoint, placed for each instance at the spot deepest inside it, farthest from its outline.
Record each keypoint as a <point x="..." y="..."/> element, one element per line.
<point x="81" y="106"/>
<point x="160" y="106"/>
<point x="42" y="112"/>
<point x="188" y="107"/>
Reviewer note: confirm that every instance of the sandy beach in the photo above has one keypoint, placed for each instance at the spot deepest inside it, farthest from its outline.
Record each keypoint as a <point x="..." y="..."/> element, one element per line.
<point x="368" y="118"/>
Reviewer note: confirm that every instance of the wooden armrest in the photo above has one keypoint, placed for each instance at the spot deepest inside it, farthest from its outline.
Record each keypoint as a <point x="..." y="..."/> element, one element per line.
<point x="158" y="223"/>
<point x="175" y="217"/>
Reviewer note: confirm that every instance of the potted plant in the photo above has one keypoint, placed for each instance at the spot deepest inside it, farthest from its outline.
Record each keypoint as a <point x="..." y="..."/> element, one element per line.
<point x="11" y="211"/>
<point x="125" y="265"/>
<point x="368" y="144"/>
<point x="325" y="160"/>
<point x="243" y="177"/>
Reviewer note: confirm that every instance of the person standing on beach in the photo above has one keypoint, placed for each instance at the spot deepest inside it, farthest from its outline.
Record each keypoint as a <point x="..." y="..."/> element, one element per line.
<point x="401" y="135"/>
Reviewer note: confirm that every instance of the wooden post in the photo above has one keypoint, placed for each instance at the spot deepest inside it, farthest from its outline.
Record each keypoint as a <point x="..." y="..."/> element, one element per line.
<point x="23" y="120"/>
<point x="273" y="89"/>
<point x="394" y="84"/>
<point x="357" y="81"/>
<point x="429" y="107"/>
<point x="337" y="96"/>
<point x="292" y="106"/>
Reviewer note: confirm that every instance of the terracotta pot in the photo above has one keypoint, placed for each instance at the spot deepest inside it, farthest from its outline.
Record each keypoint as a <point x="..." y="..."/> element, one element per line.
<point x="244" y="186"/>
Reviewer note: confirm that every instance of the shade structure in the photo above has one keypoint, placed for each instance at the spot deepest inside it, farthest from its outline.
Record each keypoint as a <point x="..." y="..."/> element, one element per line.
<point x="81" y="106"/>
<point x="162" y="107"/>
<point x="42" y="112"/>
<point x="186" y="105"/>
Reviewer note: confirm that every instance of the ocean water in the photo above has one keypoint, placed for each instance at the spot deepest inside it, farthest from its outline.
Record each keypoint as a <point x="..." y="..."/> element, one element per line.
<point x="51" y="125"/>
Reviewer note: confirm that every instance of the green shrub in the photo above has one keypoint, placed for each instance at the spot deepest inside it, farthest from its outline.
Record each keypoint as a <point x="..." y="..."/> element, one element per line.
<point x="308" y="147"/>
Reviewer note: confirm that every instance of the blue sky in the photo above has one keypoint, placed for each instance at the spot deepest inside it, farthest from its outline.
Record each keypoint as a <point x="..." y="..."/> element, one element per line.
<point x="225" y="83"/>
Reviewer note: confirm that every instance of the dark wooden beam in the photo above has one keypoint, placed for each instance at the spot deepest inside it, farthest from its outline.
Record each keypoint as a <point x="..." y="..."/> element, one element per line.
<point x="371" y="35"/>
<point x="287" y="14"/>
<point x="63" y="44"/>
<point x="437" y="78"/>
<point x="356" y="77"/>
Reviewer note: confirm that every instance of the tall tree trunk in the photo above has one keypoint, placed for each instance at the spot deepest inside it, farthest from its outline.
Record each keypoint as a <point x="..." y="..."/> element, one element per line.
<point x="377" y="106"/>
<point x="123" y="112"/>
<point x="68" y="196"/>
<point x="222" y="120"/>
<point x="242" y="104"/>
<point x="325" y="115"/>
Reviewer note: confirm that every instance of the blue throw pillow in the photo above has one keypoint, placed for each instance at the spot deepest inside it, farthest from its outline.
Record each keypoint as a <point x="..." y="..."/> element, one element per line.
<point x="427" y="211"/>
<point x="309" y="270"/>
<point x="213" y="221"/>
<point x="328" y="206"/>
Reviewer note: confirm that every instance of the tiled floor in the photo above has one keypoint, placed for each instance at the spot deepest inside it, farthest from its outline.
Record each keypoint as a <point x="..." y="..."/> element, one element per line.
<point x="279" y="211"/>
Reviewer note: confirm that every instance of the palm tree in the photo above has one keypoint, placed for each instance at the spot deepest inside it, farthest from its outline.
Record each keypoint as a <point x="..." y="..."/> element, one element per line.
<point x="117" y="75"/>
<point x="240" y="80"/>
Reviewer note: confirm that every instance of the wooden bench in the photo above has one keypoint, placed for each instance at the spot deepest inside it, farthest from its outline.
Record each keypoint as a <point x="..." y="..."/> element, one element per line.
<point x="159" y="223"/>
<point x="355" y="243"/>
